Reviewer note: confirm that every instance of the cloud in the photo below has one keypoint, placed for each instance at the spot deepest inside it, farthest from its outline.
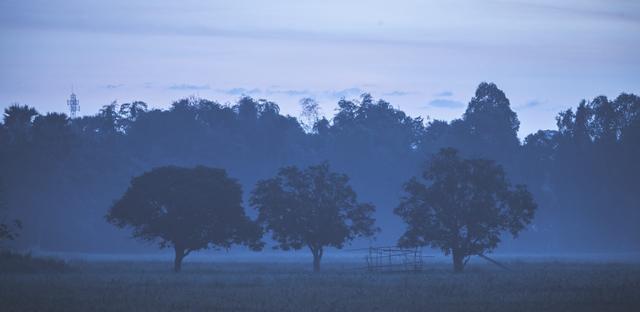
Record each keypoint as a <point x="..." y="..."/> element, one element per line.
<point x="114" y="86"/>
<point x="396" y="93"/>
<point x="337" y="94"/>
<point x="289" y="92"/>
<point x="345" y="93"/>
<point x="185" y="86"/>
<point x="531" y="104"/>
<point x="444" y="94"/>
<point x="627" y="12"/>
<point x="444" y="103"/>
<point x="239" y="91"/>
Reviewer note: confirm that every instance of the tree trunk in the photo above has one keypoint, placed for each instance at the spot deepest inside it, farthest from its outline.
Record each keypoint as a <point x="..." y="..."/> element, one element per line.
<point x="317" y="256"/>
<point x="316" y="263"/>
<point x="458" y="261"/>
<point x="177" y="262"/>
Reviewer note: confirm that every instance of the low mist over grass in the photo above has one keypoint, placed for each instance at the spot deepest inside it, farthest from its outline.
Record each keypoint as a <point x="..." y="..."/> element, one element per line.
<point x="342" y="286"/>
<point x="13" y="262"/>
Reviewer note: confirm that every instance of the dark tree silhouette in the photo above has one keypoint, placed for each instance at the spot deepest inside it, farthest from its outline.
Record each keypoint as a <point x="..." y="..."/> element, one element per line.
<point x="18" y="122"/>
<point x="130" y="112"/>
<point x="463" y="207"/>
<point x="313" y="207"/>
<point x="489" y="116"/>
<point x="8" y="230"/>
<point x="310" y="114"/>
<point x="186" y="208"/>
<point x="488" y="129"/>
<point x="587" y="166"/>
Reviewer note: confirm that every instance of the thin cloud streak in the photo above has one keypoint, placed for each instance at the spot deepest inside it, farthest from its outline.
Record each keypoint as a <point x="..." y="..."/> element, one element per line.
<point x="185" y="86"/>
<point x="396" y="93"/>
<point x="445" y="103"/>
<point x="444" y="94"/>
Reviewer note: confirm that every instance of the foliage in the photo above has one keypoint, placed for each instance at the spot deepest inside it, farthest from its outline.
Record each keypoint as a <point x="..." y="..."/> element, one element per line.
<point x="187" y="209"/>
<point x="10" y="230"/>
<point x="462" y="207"/>
<point x="310" y="114"/>
<point x="13" y="262"/>
<point x="583" y="174"/>
<point x="313" y="207"/>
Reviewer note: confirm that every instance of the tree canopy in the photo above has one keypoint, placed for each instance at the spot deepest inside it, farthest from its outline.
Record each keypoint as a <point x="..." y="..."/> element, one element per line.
<point x="9" y="230"/>
<point x="187" y="209"/>
<point x="582" y="173"/>
<point x="462" y="206"/>
<point x="313" y="208"/>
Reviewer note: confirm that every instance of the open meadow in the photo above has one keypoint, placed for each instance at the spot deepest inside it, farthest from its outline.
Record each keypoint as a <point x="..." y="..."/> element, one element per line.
<point x="152" y="286"/>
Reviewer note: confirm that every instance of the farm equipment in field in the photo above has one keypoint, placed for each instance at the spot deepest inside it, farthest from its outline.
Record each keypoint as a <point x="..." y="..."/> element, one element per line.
<point x="394" y="259"/>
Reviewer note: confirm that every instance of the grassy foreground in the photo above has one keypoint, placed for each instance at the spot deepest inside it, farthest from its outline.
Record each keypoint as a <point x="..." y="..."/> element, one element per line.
<point x="151" y="286"/>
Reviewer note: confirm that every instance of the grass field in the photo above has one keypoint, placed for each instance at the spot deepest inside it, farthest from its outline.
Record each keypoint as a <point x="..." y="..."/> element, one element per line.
<point x="151" y="286"/>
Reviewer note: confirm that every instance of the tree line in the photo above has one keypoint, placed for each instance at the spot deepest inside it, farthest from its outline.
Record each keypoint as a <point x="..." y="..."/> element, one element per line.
<point x="60" y="175"/>
<point x="463" y="210"/>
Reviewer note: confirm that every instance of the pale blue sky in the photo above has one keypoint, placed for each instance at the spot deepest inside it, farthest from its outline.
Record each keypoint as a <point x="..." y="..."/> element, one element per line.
<point x="425" y="57"/>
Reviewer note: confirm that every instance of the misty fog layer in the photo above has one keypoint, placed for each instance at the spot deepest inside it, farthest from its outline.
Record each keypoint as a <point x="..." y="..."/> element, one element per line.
<point x="60" y="175"/>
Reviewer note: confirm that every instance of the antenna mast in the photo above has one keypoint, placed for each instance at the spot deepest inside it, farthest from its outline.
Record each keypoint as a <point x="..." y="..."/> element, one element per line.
<point x="74" y="104"/>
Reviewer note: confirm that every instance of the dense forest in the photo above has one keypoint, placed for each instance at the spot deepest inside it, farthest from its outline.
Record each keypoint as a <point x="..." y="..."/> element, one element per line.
<point x="59" y="175"/>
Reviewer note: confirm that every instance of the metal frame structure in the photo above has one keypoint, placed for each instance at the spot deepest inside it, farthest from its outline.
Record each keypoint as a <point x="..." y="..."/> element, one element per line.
<point x="74" y="105"/>
<point x="394" y="259"/>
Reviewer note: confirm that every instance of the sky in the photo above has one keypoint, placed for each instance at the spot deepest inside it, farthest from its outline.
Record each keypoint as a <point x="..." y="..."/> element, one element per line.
<point x="424" y="57"/>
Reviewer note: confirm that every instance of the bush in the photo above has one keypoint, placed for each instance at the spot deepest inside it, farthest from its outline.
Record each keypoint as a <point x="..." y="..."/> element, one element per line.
<point x="13" y="262"/>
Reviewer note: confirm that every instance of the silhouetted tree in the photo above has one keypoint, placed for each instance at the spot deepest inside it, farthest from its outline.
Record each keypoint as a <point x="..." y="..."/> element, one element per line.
<point x="18" y="122"/>
<point x="489" y="116"/>
<point x="186" y="208"/>
<point x="588" y="167"/>
<point x="8" y="230"/>
<point x="375" y="144"/>
<point x="321" y="127"/>
<point x="313" y="207"/>
<point x="488" y="128"/>
<point x="463" y="207"/>
<point x="109" y="119"/>
<point x="53" y="135"/>
<point x="130" y="112"/>
<point x="310" y="114"/>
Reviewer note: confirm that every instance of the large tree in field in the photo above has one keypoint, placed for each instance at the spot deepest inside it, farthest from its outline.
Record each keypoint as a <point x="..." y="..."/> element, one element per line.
<point x="313" y="207"/>
<point x="462" y="206"/>
<point x="187" y="209"/>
